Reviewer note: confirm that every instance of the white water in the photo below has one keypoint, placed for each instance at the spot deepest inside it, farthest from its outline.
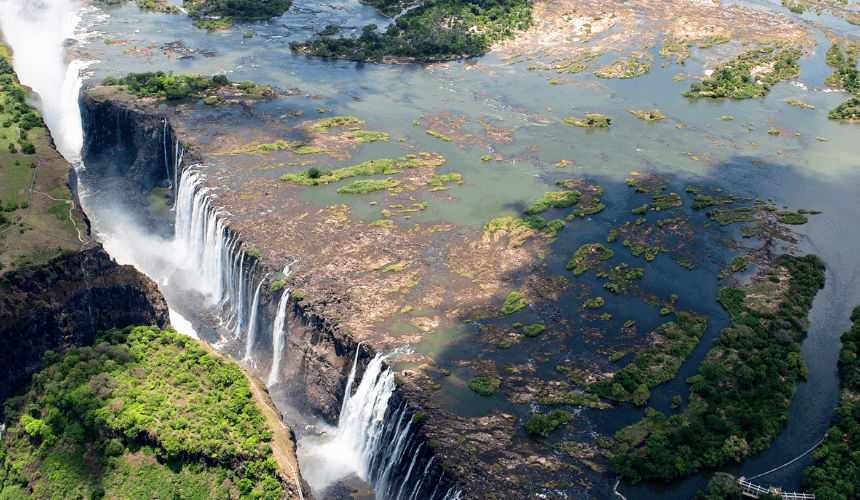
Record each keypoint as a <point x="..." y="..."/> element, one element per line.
<point x="37" y="32"/>
<point x="182" y="325"/>
<point x="372" y="440"/>
<point x="278" y="332"/>
<point x="252" y="322"/>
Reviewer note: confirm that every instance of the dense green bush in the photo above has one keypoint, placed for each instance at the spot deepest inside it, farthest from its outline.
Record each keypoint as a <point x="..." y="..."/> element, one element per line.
<point x="158" y="84"/>
<point x="139" y="386"/>
<point x="541" y="425"/>
<point x="485" y="386"/>
<point x="734" y="79"/>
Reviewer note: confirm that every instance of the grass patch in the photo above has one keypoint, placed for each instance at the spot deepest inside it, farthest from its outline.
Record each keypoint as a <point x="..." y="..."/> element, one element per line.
<point x="368" y="186"/>
<point x="314" y="176"/>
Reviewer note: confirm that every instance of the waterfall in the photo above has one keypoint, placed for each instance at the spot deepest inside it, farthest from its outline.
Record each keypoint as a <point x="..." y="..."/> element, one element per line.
<point x="165" y="148"/>
<point x="278" y="332"/>
<point x="178" y="154"/>
<point x="377" y="440"/>
<point x="204" y="247"/>
<point x="252" y="322"/>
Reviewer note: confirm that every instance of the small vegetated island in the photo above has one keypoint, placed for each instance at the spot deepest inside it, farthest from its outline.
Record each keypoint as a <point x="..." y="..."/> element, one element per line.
<point x="435" y="31"/>
<point x="750" y="75"/>
<point x="143" y="413"/>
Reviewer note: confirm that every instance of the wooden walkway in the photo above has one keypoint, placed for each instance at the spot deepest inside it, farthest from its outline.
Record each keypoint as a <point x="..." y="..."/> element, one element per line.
<point x="754" y="490"/>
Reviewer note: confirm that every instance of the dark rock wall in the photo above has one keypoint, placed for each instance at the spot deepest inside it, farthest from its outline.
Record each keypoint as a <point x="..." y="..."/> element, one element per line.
<point x="121" y="142"/>
<point x="64" y="304"/>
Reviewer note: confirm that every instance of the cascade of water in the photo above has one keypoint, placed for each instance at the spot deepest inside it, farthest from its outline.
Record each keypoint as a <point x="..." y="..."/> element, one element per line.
<point x="379" y="438"/>
<point x="414" y="495"/>
<point x="164" y="147"/>
<point x="278" y="333"/>
<point x="178" y="154"/>
<point x="205" y="247"/>
<point x="252" y="321"/>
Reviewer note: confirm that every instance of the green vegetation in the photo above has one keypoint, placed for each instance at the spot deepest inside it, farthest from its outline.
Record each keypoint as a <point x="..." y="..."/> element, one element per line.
<point x="617" y="356"/>
<point x="624" y="68"/>
<point x="440" y="180"/>
<point x="666" y="201"/>
<point x="328" y="31"/>
<point x="650" y="116"/>
<point x="722" y="487"/>
<point x="541" y="425"/>
<point x="514" y="303"/>
<point x="437" y="135"/>
<point x="751" y="75"/>
<point x="791" y="218"/>
<point x="848" y="110"/>
<point x="658" y="364"/>
<point x="533" y="330"/>
<point x="214" y="14"/>
<point x="46" y="227"/>
<point x="595" y="303"/>
<point x="485" y="386"/>
<point x="739" y="263"/>
<point x="160" y="85"/>
<point x="837" y="460"/>
<point x="801" y="104"/>
<point x="591" y="120"/>
<point x="93" y="423"/>
<point x="554" y="199"/>
<point x="846" y="77"/>
<point x="314" y="176"/>
<point x="739" y="400"/>
<point x="436" y="31"/>
<point x="640" y="210"/>
<point x="337" y="122"/>
<point x="365" y="137"/>
<point x="368" y="186"/>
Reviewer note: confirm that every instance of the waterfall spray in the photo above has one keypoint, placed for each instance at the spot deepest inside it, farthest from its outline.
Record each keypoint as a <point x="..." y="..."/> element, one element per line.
<point x="37" y="32"/>
<point x="278" y="332"/>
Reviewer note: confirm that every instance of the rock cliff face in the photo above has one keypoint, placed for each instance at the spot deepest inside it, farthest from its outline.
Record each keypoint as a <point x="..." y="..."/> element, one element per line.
<point x="63" y="304"/>
<point x="122" y="143"/>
